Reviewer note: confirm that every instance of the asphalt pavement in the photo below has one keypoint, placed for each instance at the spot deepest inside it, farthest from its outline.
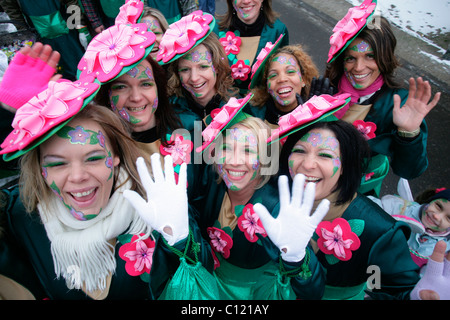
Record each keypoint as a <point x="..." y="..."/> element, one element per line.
<point x="310" y="23"/>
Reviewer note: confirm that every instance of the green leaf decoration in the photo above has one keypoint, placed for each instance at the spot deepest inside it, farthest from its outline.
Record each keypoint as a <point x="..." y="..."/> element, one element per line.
<point x="357" y="226"/>
<point x="64" y="132"/>
<point x="145" y="277"/>
<point x="315" y="236"/>
<point x="125" y="238"/>
<point x="238" y="210"/>
<point x="228" y="231"/>
<point x="331" y="259"/>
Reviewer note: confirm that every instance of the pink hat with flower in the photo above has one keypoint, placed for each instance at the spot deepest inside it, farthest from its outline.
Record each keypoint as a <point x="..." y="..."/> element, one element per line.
<point x="223" y="118"/>
<point x="45" y="114"/>
<point x="119" y="48"/>
<point x="261" y="60"/>
<point x="315" y="109"/>
<point x="348" y="28"/>
<point x="183" y="35"/>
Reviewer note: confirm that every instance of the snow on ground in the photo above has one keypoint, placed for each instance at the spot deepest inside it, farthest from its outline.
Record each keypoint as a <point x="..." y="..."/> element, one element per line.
<point x="425" y="19"/>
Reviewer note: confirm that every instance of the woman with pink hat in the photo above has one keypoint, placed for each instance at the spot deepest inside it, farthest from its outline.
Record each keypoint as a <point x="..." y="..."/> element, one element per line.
<point x="361" y="62"/>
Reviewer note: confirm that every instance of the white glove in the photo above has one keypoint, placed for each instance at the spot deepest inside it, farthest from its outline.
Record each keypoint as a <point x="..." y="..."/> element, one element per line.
<point x="166" y="210"/>
<point x="294" y="227"/>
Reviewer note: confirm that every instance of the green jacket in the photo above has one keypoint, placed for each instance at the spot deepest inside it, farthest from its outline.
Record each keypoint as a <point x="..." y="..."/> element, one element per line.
<point x="250" y="255"/>
<point x="25" y="256"/>
<point x="383" y="254"/>
<point x="408" y="158"/>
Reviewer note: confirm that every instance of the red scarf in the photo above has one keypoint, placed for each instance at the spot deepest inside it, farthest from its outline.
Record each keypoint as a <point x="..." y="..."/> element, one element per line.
<point x="345" y="86"/>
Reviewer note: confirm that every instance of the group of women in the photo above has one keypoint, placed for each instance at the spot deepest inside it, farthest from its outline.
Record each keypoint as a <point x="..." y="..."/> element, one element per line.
<point x="111" y="204"/>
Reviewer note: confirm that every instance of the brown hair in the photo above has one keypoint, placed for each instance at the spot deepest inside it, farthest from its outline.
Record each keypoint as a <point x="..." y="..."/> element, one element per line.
<point x="383" y="42"/>
<point x="307" y="68"/>
<point x="34" y="189"/>
<point x="224" y="82"/>
<point x="166" y="117"/>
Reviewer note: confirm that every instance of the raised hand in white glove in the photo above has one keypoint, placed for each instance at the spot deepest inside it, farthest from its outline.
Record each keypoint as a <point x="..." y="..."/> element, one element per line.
<point x="292" y="230"/>
<point x="166" y="209"/>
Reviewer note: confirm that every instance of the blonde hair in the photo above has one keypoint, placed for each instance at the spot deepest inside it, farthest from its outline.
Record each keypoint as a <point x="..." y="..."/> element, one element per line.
<point x="262" y="131"/>
<point x="307" y="68"/>
<point x="224" y="82"/>
<point x="34" y="189"/>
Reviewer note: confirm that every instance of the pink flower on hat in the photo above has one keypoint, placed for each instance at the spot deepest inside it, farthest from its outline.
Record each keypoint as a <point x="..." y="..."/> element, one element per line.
<point x="367" y="129"/>
<point x="115" y="48"/>
<point x="59" y="102"/>
<point x="130" y="12"/>
<point x="240" y="71"/>
<point x="349" y="26"/>
<point x="183" y="35"/>
<point x="231" y="43"/>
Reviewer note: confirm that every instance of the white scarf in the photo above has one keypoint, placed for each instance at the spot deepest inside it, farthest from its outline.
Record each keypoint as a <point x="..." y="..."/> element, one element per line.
<point x="80" y="249"/>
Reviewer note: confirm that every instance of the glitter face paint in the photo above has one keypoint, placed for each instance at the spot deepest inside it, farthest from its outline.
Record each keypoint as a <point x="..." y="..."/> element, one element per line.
<point x="284" y="81"/>
<point x="360" y="66"/>
<point x="134" y="96"/>
<point x="238" y="160"/>
<point x="317" y="156"/>
<point x="198" y="75"/>
<point x="86" y="169"/>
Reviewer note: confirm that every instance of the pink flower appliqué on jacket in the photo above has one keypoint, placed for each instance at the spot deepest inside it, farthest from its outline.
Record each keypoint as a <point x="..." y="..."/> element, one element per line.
<point x="220" y="241"/>
<point x="337" y="238"/>
<point x="250" y="224"/>
<point x="138" y="255"/>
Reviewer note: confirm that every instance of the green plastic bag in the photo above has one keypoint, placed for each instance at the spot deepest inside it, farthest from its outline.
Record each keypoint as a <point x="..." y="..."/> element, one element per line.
<point x="191" y="282"/>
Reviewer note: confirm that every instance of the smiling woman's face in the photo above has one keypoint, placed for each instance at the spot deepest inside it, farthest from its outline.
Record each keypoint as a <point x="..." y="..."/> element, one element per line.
<point x="360" y="66"/>
<point x="79" y="168"/>
<point x="197" y="74"/>
<point x="247" y="10"/>
<point x="317" y="156"/>
<point x="134" y="96"/>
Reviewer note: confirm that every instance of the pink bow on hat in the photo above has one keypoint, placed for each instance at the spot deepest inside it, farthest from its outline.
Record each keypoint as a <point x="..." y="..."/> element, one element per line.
<point x="183" y="35"/>
<point x="43" y="112"/>
<point x="305" y="113"/>
<point x="222" y="119"/>
<point x="130" y="12"/>
<point x="115" y="48"/>
<point x="349" y="26"/>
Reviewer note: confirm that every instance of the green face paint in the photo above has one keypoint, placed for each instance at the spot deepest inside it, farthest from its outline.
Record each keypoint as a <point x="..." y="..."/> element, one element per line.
<point x="362" y="47"/>
<point x="324" y="145"/>
<point x="122" y="112"/>
<point x="292" y="68"/>
<point x="82" y="136"/>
